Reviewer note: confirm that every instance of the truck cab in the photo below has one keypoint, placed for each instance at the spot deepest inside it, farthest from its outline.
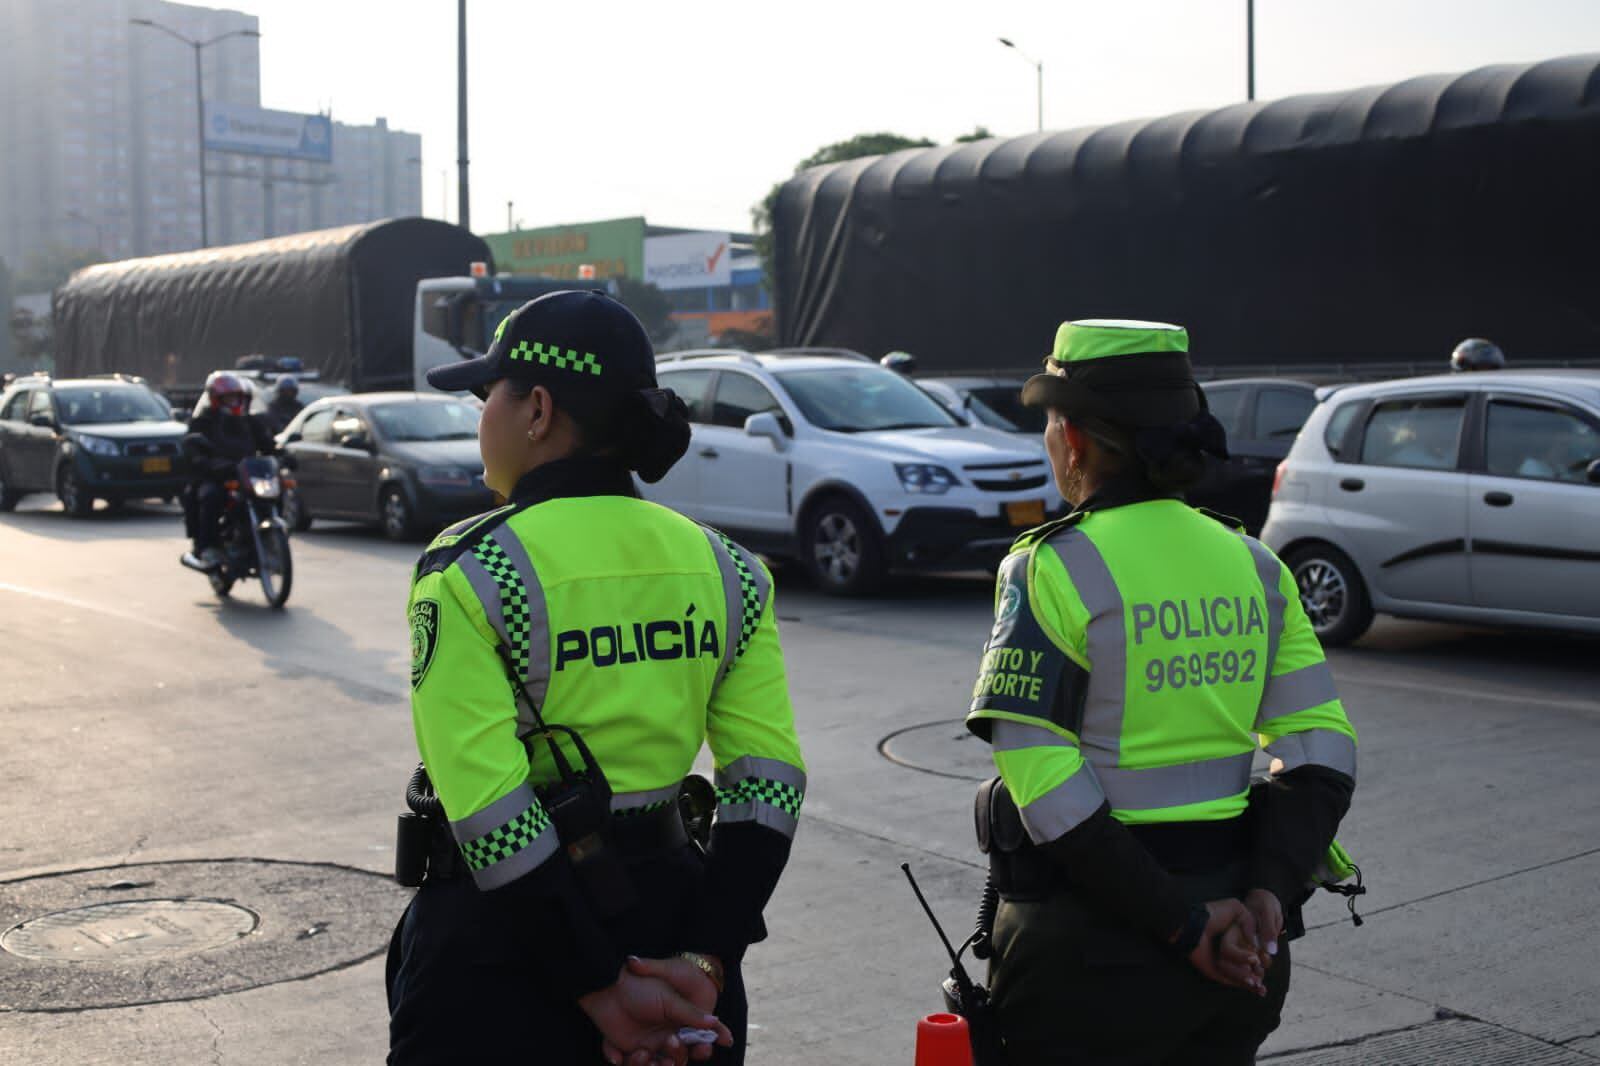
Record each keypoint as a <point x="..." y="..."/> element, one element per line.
<point x="456" y="317"/>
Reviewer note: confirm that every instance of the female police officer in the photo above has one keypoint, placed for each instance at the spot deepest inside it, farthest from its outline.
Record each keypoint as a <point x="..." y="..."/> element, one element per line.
<point x="571" y="652"/>
<point x="1139" y="648"/>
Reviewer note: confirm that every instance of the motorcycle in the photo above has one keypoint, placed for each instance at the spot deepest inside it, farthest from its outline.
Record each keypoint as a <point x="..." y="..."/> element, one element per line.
<point x="254" y="538"/>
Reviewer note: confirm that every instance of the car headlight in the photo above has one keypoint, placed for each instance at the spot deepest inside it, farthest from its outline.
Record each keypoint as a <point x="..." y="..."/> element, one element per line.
<point x="264" y="488"/>
<point x="453" y="477"/>
<point x="99" y="445"/>
<point x="926" y="478"/>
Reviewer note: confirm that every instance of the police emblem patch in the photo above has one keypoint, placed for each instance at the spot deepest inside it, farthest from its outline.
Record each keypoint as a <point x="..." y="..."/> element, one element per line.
<point x="424" y="638"/>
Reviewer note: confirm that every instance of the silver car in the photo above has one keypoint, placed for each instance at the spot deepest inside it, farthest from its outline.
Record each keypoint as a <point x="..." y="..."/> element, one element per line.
<point x="1467" y="497"/>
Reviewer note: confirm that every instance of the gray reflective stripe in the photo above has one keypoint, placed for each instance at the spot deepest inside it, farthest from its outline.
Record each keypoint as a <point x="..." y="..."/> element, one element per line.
<point x="495" y="815"/>
<point x="1319" y="747"/>
<point x="1298" y="690"/>
<point x="1006" y="735"/>
<point x="1107" y="637"/>
<point x="767" y="792"/>
<point x="507" y="839"/>
<point x="655" y="797"/>
<point x="733" y="601"/>
<point x="521" y="862"/>
<point x="1064" y="807"/>
<point x="536" y="678"/>
<point x="1174" y="786"/>
<point x="1269" y="569"/>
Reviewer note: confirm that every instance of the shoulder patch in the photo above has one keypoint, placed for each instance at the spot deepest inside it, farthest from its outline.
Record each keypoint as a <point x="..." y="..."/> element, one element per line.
<point x="451" y="544"/>
<point x="424" y="638"/>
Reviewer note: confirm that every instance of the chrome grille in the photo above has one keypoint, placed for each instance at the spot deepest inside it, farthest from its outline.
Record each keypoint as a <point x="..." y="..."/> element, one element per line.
<point x="141" y="449"/>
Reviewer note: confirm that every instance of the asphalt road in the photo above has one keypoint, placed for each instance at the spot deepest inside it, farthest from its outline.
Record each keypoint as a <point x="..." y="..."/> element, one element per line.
<point x="160" y="744"/>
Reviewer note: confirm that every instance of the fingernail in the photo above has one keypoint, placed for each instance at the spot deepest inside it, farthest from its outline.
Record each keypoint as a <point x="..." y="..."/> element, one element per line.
<point x="634" y="958"/>
<point x="1272" y="947"/>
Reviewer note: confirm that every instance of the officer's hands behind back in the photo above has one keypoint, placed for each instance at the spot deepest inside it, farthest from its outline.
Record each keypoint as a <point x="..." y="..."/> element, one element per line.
<point x="639" y="1018"/>
<point x="1229" y="951"/>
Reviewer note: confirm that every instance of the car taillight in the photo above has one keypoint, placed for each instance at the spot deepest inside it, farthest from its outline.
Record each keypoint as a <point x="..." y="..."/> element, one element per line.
<point x="1277" y="479"/>
<point x="231" y="486"/>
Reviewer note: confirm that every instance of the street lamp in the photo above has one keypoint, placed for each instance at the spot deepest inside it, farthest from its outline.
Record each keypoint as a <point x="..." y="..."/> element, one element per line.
<point x="1038" y="66"/>
<point x="199" y="102"/>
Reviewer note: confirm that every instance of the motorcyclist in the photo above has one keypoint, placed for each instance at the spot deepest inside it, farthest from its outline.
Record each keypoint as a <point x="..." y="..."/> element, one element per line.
<point x="285" y="403"/>
<point x="1475" y="353"/>
<point x="221" y="434"/>
<point x="900" y="362"/>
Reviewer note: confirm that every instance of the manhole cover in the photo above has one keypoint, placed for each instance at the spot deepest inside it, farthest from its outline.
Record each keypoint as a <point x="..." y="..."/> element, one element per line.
<point x="123" y="936"/>
<point x="137" y="929"/>
<point x="944" y="748"/>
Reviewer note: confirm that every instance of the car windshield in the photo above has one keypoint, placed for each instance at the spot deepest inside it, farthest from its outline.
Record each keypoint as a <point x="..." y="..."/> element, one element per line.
<point x="98" y="405"/>
<point x="1000" y="407"/>
<point x="420" y="420"/>
<point x="860" y="399"/>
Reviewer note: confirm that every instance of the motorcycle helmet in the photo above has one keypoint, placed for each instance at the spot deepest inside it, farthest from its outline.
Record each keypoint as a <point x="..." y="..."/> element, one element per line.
<point x="900" y="362"/>
<point x="287" y="387"/>
<point x="228" y="394"/>
<point x="1475" y="353"/>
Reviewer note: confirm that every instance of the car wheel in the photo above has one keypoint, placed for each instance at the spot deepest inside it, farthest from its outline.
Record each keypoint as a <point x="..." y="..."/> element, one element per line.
<point x="76" y="499"/>
<point x="395" y="514"/>
<point x="842" y="550"/>
<point x="1332" y="592"/>
<point x="295" y="515"/>
<point x="9" y="497"/>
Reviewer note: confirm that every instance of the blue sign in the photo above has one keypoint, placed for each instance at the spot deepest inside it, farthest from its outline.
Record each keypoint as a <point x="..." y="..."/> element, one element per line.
<point x="254" y="131"/>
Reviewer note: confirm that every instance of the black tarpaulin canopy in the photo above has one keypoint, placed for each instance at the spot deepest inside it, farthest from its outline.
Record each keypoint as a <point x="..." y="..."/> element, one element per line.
<point x="1377" y="224"/>
<point x="340" y="299"/>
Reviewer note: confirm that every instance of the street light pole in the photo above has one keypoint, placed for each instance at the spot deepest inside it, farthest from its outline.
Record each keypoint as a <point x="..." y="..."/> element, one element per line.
<point x="463" y="195"/>
<point x="1250" y="49"/>
<point x="1038" y="66"/>
<point x="199" y="103"/>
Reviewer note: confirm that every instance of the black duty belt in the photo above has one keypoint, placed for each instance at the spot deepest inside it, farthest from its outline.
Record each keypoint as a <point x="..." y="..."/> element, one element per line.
<point x="637" y="835"/>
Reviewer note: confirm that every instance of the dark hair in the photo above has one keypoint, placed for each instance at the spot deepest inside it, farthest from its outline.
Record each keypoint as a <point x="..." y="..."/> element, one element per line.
<point x="1170" y="462"/>
<point x="647" y="430"/>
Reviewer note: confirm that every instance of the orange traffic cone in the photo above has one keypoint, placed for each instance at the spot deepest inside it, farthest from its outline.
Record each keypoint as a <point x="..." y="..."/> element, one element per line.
<point x="943" y="1040"/>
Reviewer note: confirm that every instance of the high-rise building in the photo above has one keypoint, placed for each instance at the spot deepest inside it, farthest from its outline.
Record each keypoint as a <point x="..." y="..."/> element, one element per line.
<point x="98" y="138"/>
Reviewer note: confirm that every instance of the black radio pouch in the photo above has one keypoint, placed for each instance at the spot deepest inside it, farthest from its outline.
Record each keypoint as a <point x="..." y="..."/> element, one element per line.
<point x="579" y="806"/>
<point x="1017" y="869"/>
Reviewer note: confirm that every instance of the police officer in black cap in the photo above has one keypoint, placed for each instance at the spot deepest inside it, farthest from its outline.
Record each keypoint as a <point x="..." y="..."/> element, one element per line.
<point x="571" y="654"/>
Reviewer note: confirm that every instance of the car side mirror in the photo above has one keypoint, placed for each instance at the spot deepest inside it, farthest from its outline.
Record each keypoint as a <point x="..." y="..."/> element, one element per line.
<point x="42" y="421"/>
<point x="766" y="424"/>
<point x="359" y="441"/>
<point x="1593" y="473"/>
<point x="292" y="438"/>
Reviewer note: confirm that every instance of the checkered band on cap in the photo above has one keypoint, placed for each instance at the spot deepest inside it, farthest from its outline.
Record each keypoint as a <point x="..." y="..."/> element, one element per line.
<point x="513" y="601"/>
<point x="553" y="355"/>
<point x="505" y="841"/>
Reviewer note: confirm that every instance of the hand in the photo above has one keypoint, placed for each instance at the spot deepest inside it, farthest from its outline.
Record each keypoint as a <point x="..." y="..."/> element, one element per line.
<point x="686" y="979"/>
<point x="1265" y="907"/>
<point x="643" y="1015"/>
<point x="1229" y="951"/>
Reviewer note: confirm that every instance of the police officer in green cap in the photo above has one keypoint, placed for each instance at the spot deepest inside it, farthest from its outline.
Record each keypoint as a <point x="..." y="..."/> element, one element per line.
<point x="1141" y="649"/>
<point x="571" y="653"/>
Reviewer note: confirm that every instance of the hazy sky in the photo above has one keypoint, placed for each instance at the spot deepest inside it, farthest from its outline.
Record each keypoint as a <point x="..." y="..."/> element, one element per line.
<point x="687" y="112"/>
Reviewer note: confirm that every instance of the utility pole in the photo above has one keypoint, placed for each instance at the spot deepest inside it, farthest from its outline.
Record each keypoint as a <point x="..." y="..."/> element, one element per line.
<point x="199" y="103"/>
<point x="510" y="225"/>
<point x="1250" y="49"/>
<point x="464" y="205"/>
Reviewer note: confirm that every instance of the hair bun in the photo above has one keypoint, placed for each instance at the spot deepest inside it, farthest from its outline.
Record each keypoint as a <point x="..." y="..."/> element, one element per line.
<point x="655" y="432"/>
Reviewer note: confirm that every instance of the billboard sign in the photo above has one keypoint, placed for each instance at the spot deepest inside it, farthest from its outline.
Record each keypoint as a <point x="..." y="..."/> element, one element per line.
<point x="700" y="260"/>
<point x="254" y="131"/>
<point x="586" y="251"/>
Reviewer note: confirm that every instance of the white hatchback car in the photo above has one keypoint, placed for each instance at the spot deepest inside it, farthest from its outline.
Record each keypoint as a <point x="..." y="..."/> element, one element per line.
<point x="846" y="466"/>
<point x="1467" y="497"/>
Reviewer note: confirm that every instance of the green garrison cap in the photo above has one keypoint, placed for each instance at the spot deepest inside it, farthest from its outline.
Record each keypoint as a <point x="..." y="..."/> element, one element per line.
<point x="1130" y="374"/>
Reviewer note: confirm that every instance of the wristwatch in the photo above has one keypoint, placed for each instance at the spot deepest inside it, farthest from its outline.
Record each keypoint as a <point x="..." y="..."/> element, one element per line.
<point x="708" y="966"/>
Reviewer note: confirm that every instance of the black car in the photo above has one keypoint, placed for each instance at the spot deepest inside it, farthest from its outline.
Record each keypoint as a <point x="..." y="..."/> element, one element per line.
<point x="407" y="461"/>
<point x="110" y="438"/>
<point x="1262" y="417"/>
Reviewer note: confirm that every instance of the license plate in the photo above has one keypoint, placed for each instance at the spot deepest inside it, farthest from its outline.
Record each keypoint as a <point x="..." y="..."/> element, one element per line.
<point x="1025" y="512"/>
<point x="159" y="465"/>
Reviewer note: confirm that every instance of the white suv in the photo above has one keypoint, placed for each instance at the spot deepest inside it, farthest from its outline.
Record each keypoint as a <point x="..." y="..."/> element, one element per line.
<point x="1468" y="497"/>
<point x="846" y="466"/>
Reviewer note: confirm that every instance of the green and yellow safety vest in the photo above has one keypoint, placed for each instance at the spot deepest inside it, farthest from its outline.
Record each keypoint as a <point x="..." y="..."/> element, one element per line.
<point x="646" y="633"/>
<point x="1138" y="656"/>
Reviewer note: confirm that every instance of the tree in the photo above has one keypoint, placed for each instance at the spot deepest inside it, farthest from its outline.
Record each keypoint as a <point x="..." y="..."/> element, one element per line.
<point x="47" y="269"/>
<point x="651" y="306"/>
<point x="862" y="144"/>
<point x="979" y="133"/>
